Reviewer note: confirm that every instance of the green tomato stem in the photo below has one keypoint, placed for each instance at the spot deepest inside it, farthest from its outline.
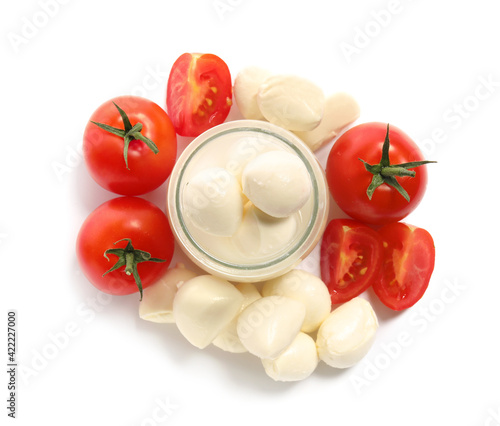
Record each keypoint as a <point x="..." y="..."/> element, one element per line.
<point x="385" y="172"/>
<point x="129" y="133"/>
<point x="129" y="257"/>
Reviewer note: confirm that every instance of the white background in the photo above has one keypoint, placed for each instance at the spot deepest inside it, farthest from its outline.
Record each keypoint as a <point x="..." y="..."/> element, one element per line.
<point x="431" y="68"/>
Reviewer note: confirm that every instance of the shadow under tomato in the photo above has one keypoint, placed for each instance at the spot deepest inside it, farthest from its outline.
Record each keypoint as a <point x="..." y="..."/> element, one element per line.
<point x="384" y="314"/>
<point x="335" y="211"/>
<point x="88" y="193"/>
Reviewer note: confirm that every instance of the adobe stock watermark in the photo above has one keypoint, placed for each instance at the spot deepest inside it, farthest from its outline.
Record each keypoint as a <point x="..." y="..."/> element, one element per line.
<point x="71" y="159"/>
<point x="265" y="309"/>
<point x="245" y="150"/>
<point x="30" y="26"/>
<point x="493" y="418"/>
<point x="162" y="411"/>
<point x="223" y="7"/>
<point x="462" y="110"/>
<point x="364" y="34"/>
<point x="154" y="77"/>
<point x="59" y="340"/>
<point x="422" y="317"/>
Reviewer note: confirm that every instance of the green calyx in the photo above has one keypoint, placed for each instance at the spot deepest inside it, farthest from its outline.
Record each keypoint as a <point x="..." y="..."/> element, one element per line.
<point x="129" y="133"/>
<point x="130" y="257"/>
<point x="385" y="172"/>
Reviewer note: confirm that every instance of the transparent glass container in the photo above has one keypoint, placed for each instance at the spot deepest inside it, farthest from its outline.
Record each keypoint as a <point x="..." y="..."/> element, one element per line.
<point x="230" y="145"/>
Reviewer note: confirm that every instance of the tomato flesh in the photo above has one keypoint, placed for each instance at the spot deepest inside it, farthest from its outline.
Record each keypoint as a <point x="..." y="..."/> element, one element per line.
<point x="351" y="257"/>
<point x="199" y="93"/>
<point x="409" y="258"/>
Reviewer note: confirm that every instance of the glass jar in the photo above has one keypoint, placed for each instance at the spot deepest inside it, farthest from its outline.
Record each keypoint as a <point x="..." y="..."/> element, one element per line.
<point x="230" y="146"/>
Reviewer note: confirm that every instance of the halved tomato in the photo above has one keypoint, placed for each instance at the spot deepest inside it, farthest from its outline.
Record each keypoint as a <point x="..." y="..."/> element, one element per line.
<point x="199" y="93"/>
<point x="409" y="257"/>
<point x="351" y="258"/>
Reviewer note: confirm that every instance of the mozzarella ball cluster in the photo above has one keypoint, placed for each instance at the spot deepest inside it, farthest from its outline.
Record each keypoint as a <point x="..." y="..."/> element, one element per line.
<point x="157" y="300"/>
<point x="288" y="323"/>
<point x="253" y="201"/>
<point x="293" y="103"/>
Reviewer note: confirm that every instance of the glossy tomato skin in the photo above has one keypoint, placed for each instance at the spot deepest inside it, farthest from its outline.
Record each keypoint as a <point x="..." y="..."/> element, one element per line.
<point x="124" y="217"/>
<point x="348" y="179"/>
<point x="408" y="263"/>
<point x="351" y="258"/>
<point x="103" y="151"/>
<point x="199" y="93"/>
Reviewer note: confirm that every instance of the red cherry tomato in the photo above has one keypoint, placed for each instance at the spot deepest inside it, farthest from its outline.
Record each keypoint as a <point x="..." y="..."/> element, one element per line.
<point x="140" y="168"/>
<point x="409" y="257"/>
<point x="105" y="239"/>
<point x="349" y="178"/>
<point x="199" y="93"/>
<point x="351" y="257"/>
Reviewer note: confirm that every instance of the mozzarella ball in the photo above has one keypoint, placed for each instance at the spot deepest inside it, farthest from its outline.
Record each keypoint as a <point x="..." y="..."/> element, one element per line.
<point x="297" y="362"/>
<point x="245" y="89"/>
<point x="347" y="335"/>
<point x="213" y="201"/>
<point x="306" y="288"/>
<point x="268" y="326"/>
<point x="341" y="109"/>
<point x="277" y="182"/>
<point x="260" y="235"/>
<point x="244" y="150"/>
<point x="157" y="300"/>
<point x="291" y="102"/>
<point x="204" y="306"/>
<point x="228" y="339"/>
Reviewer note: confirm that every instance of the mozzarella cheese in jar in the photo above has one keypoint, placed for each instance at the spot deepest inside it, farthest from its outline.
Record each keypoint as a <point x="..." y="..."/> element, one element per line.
<point x="277" y="183"/>
<point x="214" y="202"/>
<point x="260" y="234"/>
<point x="253" y="226"/>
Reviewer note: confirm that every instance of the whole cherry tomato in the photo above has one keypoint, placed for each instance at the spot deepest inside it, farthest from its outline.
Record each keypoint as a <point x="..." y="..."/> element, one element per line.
<point x="125" y="245"/>
<point x="370" y="173"/>
<point x="199" y="93"/>
<point x="129" y="145"/>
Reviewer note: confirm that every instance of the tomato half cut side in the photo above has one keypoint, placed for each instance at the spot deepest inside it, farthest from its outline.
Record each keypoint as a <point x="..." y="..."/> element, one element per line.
<point x="351" y="258"/>
<point x="408" y="263"/>
<point x="199" y="93"/>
